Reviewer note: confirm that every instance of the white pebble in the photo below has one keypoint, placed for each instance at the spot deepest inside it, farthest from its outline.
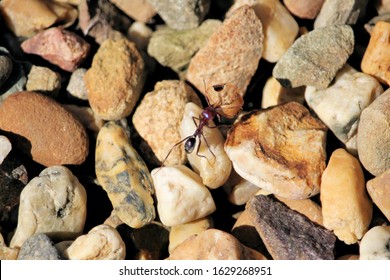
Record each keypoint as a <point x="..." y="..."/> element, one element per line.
<point x="375" y="244"/>
<point x="5" y="148"/>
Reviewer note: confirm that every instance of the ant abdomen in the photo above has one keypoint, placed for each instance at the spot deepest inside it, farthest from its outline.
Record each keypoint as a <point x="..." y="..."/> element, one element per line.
<point x="189" y="145"/>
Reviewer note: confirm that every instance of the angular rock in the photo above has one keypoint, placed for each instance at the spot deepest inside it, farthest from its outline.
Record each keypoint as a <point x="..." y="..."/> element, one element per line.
<point x="183" y="14"/>
<point x="281" y="150"/>
<point x="124" y="176"/>
<point x="41" y="128"/>
<point x="7" y="253"/>
<point x="58" y="46"/>
<point x="140" y="34"/>
<point x="43" y="80"/>
<point x="287" y="234"/>
<point x="115" y="80"/>
<point x="5" y="148"/>
<point x="38" y="247"/>
<point x="157" y="119"/>
<point x="379" y="191"/>
<point x="307" y="9"/>
<point x="5" y="68"/>
<point x="339" y="106"/>
<point x="76" y="86"/>
<point x="375" y="244"/>
<point x="232" y="53"/>
<point x="213" y="244"/>
<point x="181" y="195"/>
<point x="53" y="203"/>
<point x="140" y="10"/>
<point x="346" y="207"/>
<point x="373" y="138"/>
<point x="315" y="58"/>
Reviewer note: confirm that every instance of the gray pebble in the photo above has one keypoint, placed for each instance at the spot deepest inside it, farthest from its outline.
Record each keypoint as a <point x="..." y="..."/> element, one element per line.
<point x="76" y="85"/>
<point x="38" y="247"/>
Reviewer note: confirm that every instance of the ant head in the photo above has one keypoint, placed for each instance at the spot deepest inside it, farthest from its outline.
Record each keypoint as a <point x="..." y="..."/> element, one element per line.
<point x="189" y="145"/>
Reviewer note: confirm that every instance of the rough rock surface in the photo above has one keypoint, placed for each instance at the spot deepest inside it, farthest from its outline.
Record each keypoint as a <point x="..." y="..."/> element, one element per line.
<point x="44" y="80"/>
<point x="76" y="85"/>
<point x="379" y="190"/>
<point x="38" y="247"/>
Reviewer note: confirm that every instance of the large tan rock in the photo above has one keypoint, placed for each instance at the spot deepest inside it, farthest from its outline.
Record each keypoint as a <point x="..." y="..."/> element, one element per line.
<point x="379" y="191"/>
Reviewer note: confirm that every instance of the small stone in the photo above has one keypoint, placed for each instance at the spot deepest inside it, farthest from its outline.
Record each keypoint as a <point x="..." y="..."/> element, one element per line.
<point x="213" y="244"/>
<point x="375" y="244"/>
<point x="181" y="15"/>
<point x="101" y="243"/>
<point x="373" y="138"/>
<point x="86" y="117"/>
<point x="58" y="46"/>
<point x="242" y="192"/>
<point x="5" y="148"/>
<point x="43" y="80"/>
<point x="379" y="191"/>
<point x="5" y="68"/>
<point x="140" y="34"/>
<point x="7" y="253"/>
<point x="339" y="106"/>
<point x="232" y="53"/>
<point x="41" y="128"/>
<point x="307" y="9"/>
<point x="315" y="58"/>
<point x="281" y="150"/>
<point x="287" y="234"/>
<point x="161" y="129"/>
<point x="53" y="203"/>
<point x="382" y="6"/>
<point x="346" y="207"/>
<point x="38" y="247"/>
<point x="17" y="79"/>
<point x="140" y="10"/>
<point x="115" y="80"/>
<point x="335" y="12"/>
<point x="124" y="176"/>
<point x="376" y="60"/>
<point x="181" y="195"/>
<point x="76" y="86"/>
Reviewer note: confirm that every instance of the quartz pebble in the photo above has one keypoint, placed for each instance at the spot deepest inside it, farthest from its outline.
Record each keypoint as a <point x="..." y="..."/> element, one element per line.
<point x="281" y="150"/>
<point x="115" y="80"/>
<point x="375" y="244"/>
<point x="43" y="80"/>
<point x="339" y="106"/>
<point x="139" y="10"/>
<point x="209" y="159"/>
<point x="76" y="86"/>
<point x="61" y="47"/>
<point x="38" y="247"/>
<point x="181" y="195"/>
<point x="242" y="192"/>
<point x="379" y="190"/>
<point x="5" y="68"/>
<point x="5" y="148"/>
<point x="307" y="9"/>
<point x="213" y="244"/>
<point x="287" y="234"/>
<point x="7" y="253"/>
<point x="101" y="243"/>
<point x="315" y="58"/>
<point x="53" y="203"/>
<point x="161" y="129"/>
<point x="373" y="138"/>
<point x="231" y="54"/>
<point x="346" y="207"/>
<point x="124" y="176"/>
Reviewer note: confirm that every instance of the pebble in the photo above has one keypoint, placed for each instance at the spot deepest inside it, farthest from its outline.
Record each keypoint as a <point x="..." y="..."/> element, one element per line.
<point x="101" y="243"/>
<point x="346" y="206"/>
<point x="60" y="47"/>
<point x="379" y="190"/>
<point x="382" y="6"/>
<point x="140" y="34"/>
<point x="124" y="176"/>
<point x="140" y="10"/>
<point x="287" y="234"/>
<point x="7" y="253"/>
<point x="279" y="27"/>
<point x="335" y="12"/>
<point x="5" y="68"/>
<point x="43" y="80"/>
<point x="232" y="53"/>
<point x="213" y="244"/>
<point x="175" y="48"/>
<point x="57" y="138"/>
<point x="181" y="15"/>
<point x="306" y="9"/>
<point x="161" y="129"/>
<point x="53" y="203"/>
<point x="181" y="195"/>
<point x="115" y="80"/>
<point x="376" y="60"/>
<point x="242" y="192"/>
<point x="373" y="138"/>
<point x="38" y="247"/>
<point x="281" y="150"/>
<point x="209" y="160"/>
<point x="17" y="79"/>
<point x="76" y="86"/>
<point x="86" y="116"/>
<point x="375" y="244"/>
<point x="339" y="106"/>
<point x="369" y="26"/>
<point x="315" y="58"/>
<point x="5" y="148"/>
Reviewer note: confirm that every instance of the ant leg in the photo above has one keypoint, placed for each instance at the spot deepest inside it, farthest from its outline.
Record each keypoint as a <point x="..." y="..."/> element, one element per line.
<point x="208" y="146"/>
<point x="174" y="146"/>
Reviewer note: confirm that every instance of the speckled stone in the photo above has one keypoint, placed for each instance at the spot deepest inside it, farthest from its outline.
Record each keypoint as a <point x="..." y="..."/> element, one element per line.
<point x="38" y="247"/>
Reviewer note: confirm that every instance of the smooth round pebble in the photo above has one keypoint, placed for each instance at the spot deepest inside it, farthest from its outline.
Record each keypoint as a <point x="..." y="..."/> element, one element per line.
<point x="375" y="244"/>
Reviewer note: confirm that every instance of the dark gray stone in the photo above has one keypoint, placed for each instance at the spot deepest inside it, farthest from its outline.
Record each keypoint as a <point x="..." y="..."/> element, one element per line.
<point x="38" y="247"/>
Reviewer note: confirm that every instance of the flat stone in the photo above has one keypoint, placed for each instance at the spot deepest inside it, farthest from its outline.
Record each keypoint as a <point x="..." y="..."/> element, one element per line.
<point x="42" y="129"/>
<point x="140" y="10"/>
<point x="5" y="68"/>
<point x="124" y="176"/>
<point x="346" y="206"/>
<point x="43" y="80"/>
<point x="58" y="46"/>
<point x="373" y="138"/>
<point x="287" y="234"/>
<point x="38" y="247"/>
<point x="76" y="86"/>
<point x="379" y="190"/>
<point x="232" y="53"/>
<point x="111" y="93"/>
<point x="281" y="150"/>
<point x="307" y="9"/>
<point x="315" y="58"/>
<point x="53" y="203"/>
<point x="375" y="244"/>
<point x="7" y="253"/>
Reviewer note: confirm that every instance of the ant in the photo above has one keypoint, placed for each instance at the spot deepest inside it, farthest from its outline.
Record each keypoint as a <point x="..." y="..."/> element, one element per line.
<point x="224" y="100"/>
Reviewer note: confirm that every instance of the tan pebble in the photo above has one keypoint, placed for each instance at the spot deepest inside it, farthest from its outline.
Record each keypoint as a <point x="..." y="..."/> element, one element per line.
<point x="379" y="191"/>
<point x="307" y="9"/>
<point x="346" y="207"/>
<point x="42" y="79"/>
<point x="242" y="192"/>
<point x="140" y="34"/>
<point x="382" y="6"/>
<point x="375" y="244"/>
<point x="7" y="253"/>
<point x="139" y="10"/>
<point x="101" y="243"/>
